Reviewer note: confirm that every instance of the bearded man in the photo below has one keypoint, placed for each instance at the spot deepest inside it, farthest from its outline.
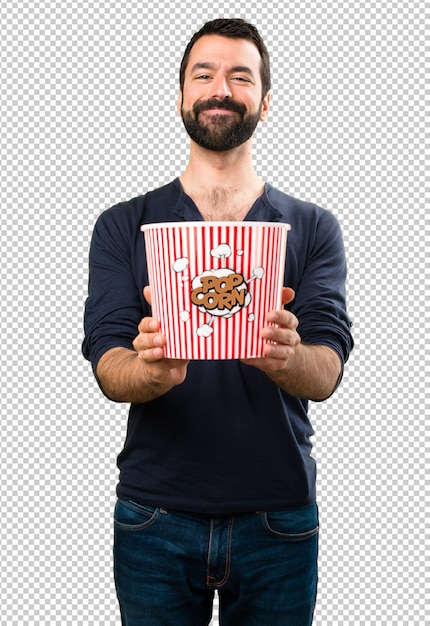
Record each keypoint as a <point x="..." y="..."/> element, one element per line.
<point x="217" y="481"/>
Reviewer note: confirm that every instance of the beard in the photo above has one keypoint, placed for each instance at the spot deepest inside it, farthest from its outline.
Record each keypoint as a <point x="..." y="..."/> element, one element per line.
<point x="221" y="132"/>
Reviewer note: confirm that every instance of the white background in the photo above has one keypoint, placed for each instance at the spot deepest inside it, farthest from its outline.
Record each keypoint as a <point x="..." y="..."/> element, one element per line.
<point x="88" y="119"/>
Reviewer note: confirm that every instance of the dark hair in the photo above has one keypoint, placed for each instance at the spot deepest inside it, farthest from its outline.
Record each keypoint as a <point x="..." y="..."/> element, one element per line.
<point x="234" y="28"/>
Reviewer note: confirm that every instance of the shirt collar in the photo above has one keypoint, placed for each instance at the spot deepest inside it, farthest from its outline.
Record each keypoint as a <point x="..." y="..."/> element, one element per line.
<point x="261" y="211"/>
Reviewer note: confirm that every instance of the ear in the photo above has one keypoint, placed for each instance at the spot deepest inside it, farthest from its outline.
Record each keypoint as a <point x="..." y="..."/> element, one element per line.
<point x="265" y="107"/>
<point x="179" y="102"/>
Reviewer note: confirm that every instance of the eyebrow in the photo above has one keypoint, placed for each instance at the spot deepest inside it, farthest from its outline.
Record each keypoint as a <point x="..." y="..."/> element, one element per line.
<point x="207" y="65"/>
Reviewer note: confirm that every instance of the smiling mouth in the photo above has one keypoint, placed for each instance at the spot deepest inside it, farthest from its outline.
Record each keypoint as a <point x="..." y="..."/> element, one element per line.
<point x="219" y="110"/>
<point x="216" y="107"/>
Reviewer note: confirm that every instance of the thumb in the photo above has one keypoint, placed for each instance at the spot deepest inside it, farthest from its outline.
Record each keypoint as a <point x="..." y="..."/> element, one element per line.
<point x="288" y="295"/>
<point x="147" y="294"/>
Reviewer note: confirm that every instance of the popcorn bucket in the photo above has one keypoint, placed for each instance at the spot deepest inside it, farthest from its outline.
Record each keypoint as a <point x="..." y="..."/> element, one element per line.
<point x="213" y="283"/>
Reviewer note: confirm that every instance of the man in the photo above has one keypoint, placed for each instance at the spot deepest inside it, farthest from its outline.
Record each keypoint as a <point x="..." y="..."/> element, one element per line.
<point x="217" y="485"/>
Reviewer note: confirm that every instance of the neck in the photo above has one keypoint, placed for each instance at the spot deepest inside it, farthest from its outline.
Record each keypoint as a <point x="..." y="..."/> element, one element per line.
<point x="223" y="185"/>
<point x="232" y="171"/>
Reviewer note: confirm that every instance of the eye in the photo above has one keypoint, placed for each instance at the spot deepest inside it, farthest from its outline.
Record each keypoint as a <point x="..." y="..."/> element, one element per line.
<point x="241" y="79"/>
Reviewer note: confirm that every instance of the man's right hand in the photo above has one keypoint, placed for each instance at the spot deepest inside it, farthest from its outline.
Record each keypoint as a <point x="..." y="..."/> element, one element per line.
<point x="142" y="374"/>
<point x="149" y="345"/>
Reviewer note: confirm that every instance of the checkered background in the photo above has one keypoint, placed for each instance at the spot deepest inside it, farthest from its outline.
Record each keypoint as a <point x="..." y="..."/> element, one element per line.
<point x="88" y="119"/>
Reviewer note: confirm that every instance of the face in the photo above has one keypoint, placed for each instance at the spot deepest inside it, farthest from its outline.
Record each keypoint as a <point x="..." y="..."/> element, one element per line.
<point x="221" y="102"/>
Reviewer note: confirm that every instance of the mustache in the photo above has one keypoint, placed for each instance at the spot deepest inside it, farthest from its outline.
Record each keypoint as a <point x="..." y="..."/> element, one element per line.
<point x="214" y="103"/>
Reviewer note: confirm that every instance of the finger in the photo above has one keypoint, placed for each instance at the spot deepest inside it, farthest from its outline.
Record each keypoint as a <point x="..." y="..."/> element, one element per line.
<point x="282" y="336"/>
<point x="148" y="325"/>
<point x="273" y="353"/>
<point x="150" y="342"/>
<point x="282" y="318"/>
<point x="288" y="295"/>
<point x="147" y="294"/>
<point x="152" y="355"/>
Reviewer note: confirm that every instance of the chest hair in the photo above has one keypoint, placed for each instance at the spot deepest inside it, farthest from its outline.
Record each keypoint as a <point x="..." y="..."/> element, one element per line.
<point x="221" y="205"/>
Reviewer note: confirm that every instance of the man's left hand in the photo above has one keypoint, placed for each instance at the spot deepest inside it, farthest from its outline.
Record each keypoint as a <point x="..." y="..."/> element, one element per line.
<point x="282" y="338"/>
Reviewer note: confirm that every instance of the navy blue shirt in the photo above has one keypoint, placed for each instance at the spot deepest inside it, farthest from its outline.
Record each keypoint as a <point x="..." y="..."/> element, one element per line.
<point x="228" y="439"/>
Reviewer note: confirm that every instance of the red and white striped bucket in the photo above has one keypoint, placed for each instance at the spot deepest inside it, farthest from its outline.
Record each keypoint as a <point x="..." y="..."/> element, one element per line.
<point x="213" y="283"/>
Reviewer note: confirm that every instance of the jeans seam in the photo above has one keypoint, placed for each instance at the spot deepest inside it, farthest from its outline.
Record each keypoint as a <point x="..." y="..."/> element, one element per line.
<point x="136" y="527"/>
<point x="288" y="536"/>
<point x="214" y="584"/>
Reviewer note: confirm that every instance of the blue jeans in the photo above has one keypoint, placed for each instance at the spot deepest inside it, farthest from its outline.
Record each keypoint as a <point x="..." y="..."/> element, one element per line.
<point x="168" y="565"/>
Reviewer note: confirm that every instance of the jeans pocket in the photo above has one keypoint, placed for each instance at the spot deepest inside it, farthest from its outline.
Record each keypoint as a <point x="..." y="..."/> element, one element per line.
<point x="295" y="525"/>
<point x="129" y="515"/>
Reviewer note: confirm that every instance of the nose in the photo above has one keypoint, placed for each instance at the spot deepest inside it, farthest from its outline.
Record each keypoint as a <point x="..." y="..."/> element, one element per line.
<point x="221" y="88"/>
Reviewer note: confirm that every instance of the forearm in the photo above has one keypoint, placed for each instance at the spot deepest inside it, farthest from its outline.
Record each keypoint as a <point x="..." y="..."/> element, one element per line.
<point x="124" y="377"/>
<point x="312" y="372"/>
